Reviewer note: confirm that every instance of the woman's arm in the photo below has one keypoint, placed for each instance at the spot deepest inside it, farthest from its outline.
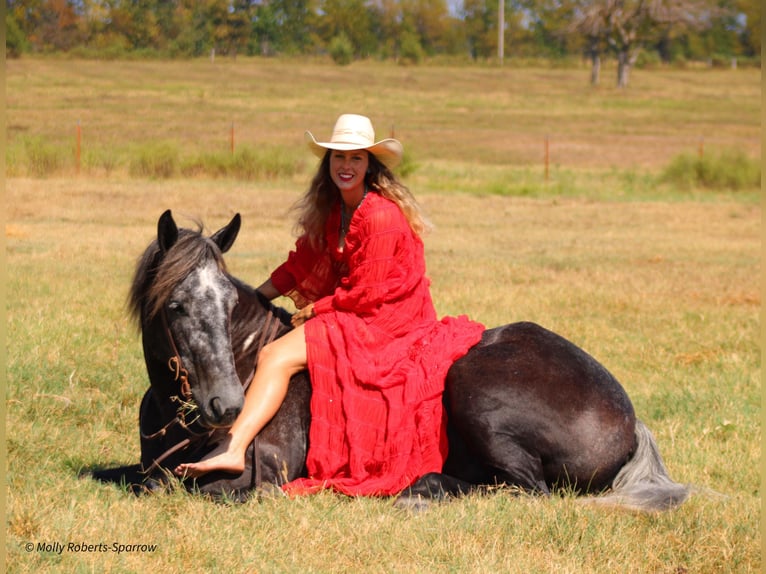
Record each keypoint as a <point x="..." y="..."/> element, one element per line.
<point x="268" y="290"/>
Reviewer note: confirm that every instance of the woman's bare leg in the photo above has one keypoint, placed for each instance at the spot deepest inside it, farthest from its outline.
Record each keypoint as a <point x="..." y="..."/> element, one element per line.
<point x="277" y="362"/>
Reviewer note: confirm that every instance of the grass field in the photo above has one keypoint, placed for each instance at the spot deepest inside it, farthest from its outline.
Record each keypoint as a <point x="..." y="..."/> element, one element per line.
<point x="662" y="286"/>
<point x="453" y="120"/>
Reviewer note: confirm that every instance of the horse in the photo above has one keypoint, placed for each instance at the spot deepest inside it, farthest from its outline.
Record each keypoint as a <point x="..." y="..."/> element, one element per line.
<point x="526" y="408"/>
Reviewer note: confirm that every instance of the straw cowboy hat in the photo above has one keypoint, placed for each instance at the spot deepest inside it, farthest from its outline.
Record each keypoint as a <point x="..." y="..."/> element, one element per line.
<point x="355" y="132"/>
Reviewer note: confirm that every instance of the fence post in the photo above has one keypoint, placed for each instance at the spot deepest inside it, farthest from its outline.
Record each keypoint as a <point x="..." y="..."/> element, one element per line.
<point x="232" y="138"/>
<point x="78" y="148"/>
<point x="701" y="147"/>
<point x="547" y="157"/>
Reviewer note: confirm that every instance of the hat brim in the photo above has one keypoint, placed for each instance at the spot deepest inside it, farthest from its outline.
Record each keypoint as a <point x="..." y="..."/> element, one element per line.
<point x="388" y="151"/>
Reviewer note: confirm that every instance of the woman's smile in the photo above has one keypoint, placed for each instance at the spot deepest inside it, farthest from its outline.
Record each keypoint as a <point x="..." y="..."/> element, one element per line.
<point x="347" y="170"/>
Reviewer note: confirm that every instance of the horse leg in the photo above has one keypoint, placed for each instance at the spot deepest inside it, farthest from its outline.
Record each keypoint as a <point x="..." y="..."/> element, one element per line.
<point x="432" y="487"/>
<point x="514" y="465"/>
<point x="129" y="477"/>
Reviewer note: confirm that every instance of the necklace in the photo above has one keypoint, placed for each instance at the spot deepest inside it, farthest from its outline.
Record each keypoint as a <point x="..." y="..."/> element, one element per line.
<point x="345" y="219"/>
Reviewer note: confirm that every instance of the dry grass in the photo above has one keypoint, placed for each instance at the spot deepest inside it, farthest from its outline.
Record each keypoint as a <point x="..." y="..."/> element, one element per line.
<point x="666" y="294"/>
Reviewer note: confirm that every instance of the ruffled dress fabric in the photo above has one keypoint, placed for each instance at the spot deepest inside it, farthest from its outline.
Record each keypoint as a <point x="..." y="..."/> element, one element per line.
<point x="377" y="354"/>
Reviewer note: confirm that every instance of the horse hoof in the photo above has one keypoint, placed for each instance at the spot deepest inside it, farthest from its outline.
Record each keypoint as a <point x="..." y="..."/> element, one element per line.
<point x="269" y="490"/>
<point x="412" y="503"/>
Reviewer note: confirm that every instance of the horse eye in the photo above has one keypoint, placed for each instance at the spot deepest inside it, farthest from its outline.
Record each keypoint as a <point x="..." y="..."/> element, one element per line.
<point x="177" y="308"/>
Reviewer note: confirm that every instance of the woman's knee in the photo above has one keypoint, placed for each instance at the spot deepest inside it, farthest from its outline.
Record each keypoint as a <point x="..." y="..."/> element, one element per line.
<point x="288" y="352"/>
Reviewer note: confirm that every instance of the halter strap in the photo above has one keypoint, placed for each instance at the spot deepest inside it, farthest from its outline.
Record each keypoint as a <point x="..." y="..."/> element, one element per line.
<point x="268" y="334"/>
<point x="174" y="362"/>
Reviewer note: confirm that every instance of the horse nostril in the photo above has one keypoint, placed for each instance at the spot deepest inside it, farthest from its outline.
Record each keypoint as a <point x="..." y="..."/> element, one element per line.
<point x="221" y="415"/>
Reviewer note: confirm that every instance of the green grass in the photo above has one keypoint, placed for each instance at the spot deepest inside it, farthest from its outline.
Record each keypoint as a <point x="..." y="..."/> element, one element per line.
<point x="730" y="169"/>
<point x="665" y="294"/>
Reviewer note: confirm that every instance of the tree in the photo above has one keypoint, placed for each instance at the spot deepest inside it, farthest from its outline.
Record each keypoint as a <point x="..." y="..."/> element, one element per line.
<point x="15" y="40"/>
<point x="239" y="23"/>
<point x="429" y="20"/>
<point x="287" y="25"/>
<point x="349" y="17"/>
<point x="480" y="21"/>
<point x="590" y="20"/>
<point x="387" y="26"/>
<point x="751" y="33"/>
<point x="627" y="26"/>
<point x="50" y="25"/>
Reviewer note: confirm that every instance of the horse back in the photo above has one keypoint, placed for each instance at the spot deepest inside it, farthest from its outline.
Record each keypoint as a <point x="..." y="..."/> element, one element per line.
<point x="528" y="407"/>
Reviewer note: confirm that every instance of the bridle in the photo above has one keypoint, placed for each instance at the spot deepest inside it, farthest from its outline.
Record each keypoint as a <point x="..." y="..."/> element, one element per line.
<point x="175" y="365"/>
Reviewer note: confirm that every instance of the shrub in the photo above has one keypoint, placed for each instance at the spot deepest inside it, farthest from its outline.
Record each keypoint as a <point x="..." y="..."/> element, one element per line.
<point x="156" y="160"/>
<point x="341" y="49"/>
<point x="246" y="163"/>
<point x="410" y="51"/>
<point x="217" y="164"/>
<point x="729" y="169"/>
<point x="15" y="40"/>
<point x="407" y="167"/>
<point x="263" y="163"/>
<point x="103" y="159"/>
<point x="35" y="157"/>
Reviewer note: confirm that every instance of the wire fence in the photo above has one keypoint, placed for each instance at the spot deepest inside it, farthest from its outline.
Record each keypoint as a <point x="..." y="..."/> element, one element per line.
<point x="237" y="158"/>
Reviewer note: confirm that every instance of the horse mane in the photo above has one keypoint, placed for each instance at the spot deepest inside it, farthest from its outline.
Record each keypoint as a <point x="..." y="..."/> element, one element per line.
<point x="280" y="313"/>
<point x="158" y="273"/>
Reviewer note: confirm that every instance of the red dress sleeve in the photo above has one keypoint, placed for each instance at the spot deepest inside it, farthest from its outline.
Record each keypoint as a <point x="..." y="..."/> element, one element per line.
<point x="308" y="274"/>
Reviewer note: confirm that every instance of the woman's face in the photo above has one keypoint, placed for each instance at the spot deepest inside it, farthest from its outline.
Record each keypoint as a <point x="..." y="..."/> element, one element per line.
<point x="347" y="170"/>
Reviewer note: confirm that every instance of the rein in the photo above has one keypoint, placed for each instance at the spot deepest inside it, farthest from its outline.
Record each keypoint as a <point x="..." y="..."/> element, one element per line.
<point x="175" y="365"/>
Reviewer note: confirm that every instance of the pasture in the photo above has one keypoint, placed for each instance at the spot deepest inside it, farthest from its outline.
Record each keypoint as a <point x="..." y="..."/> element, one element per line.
<point x="661" y="285"/>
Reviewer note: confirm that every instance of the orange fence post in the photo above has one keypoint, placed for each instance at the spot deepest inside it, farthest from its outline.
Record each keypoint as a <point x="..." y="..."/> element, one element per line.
<point x="78" y="148"/>
<point x="547" y="157"/>
<point x="701" y="148"/>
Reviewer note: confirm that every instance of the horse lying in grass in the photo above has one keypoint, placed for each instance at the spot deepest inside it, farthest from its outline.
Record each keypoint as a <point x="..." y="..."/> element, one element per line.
<point x="526" y="408"/>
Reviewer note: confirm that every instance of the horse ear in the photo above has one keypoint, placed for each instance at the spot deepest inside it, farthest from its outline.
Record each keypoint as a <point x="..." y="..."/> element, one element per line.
<point x="167" y="231"/>
<point x="225" y="236"/>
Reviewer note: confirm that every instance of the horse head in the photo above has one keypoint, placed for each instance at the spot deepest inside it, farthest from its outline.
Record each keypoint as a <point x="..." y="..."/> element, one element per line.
<point x="185" y="300"/>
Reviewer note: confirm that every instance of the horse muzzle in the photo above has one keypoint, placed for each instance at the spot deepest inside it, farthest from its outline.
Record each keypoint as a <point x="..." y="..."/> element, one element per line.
<point x="221" y="414"/>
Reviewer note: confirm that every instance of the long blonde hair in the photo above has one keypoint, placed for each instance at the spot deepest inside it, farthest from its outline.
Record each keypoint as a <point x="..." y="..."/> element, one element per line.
<point x="314" y="207"/>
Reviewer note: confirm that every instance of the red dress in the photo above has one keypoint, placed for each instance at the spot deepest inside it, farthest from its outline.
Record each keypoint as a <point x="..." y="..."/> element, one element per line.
<point x="377" y="354"/>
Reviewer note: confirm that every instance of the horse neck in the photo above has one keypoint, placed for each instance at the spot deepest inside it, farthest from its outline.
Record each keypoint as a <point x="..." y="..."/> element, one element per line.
<point x="255" y="322"/>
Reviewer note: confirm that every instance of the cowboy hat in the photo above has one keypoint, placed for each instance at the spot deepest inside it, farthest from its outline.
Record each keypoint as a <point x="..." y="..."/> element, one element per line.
<point x="352" y="132"/>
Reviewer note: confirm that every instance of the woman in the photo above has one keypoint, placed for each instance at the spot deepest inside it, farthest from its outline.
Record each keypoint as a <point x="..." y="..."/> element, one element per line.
<point x="366" y="329"/>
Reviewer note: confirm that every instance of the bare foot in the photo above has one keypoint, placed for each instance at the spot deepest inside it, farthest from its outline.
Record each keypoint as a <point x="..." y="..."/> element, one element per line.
<point x="220" y="459"/>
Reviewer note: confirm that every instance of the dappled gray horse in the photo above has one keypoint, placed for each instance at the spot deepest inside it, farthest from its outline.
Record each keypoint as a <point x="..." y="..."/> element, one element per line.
<point x="526" y="407"/>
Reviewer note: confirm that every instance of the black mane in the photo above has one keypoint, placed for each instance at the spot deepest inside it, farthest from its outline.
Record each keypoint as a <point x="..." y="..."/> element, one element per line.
<point x="157" y="273"/>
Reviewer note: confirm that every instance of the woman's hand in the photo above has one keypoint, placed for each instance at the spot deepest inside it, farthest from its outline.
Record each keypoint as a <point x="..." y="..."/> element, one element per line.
<point x="300" y="317"/>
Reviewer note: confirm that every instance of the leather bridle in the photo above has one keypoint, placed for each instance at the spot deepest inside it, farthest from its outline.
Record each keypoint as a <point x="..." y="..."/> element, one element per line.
<point x="268" y="334"/>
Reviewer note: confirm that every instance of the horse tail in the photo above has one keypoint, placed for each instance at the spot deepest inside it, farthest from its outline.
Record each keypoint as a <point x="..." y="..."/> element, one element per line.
<point x="643" y="483"/>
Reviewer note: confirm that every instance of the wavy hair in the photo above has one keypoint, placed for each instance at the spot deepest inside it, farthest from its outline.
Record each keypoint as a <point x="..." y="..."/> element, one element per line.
<point x="314" y="207"/>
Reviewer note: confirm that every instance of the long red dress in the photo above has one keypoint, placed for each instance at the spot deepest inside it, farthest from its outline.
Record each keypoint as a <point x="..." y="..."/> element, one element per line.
<point x="377" y="354"/>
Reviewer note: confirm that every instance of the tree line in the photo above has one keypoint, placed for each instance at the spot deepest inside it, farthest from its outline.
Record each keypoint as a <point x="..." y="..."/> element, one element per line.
<point x="630" y="31"/>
